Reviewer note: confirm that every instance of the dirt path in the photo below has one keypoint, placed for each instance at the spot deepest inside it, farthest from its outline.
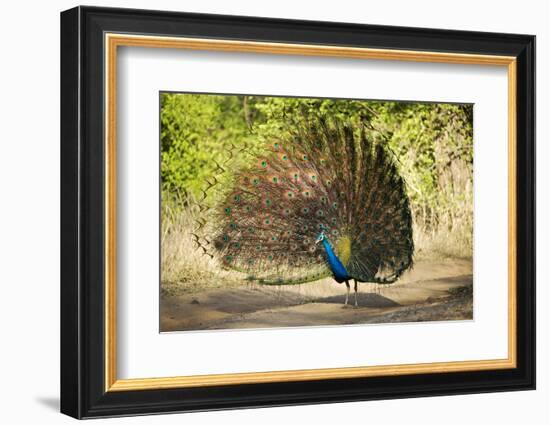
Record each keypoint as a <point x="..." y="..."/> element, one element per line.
<point x="439" y="290"/>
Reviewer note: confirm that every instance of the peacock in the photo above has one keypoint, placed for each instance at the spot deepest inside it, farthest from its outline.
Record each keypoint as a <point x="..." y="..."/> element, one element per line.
<point x="321" y="199"/>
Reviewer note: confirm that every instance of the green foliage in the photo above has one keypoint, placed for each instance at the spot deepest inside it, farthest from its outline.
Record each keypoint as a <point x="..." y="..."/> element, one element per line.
<point x="195" y="132"/>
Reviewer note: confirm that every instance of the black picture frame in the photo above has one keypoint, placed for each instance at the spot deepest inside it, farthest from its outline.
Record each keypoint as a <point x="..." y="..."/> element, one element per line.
<point x="83" y="392"/>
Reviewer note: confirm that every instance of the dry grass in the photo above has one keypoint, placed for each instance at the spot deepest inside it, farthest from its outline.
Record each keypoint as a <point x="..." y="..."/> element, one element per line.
<point x="442" y="244"/>
<point x="184" y="268"/>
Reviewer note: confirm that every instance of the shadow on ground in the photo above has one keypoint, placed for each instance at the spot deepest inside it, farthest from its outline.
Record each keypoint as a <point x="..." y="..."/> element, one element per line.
<point x="364" y="300"/>
<point x="49" y="402"/>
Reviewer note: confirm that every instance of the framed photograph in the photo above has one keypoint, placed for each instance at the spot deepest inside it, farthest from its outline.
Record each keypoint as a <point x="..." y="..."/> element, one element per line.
<point x="261" y="212"/>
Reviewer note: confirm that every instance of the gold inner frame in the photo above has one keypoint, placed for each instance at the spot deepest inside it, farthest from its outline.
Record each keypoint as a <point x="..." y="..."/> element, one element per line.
<point x="113" y="41"/>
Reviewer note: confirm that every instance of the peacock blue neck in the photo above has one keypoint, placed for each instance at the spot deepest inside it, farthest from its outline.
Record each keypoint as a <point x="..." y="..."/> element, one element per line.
<point x="338" y="270"/>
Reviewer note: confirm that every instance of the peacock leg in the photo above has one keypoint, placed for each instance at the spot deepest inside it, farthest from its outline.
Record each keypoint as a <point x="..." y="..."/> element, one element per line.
<point x="355" y="288"/>
<point x="347" y="293"/>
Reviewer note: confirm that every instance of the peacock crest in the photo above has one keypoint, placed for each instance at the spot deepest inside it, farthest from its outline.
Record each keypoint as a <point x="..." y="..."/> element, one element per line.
<point x="322" y="199"/>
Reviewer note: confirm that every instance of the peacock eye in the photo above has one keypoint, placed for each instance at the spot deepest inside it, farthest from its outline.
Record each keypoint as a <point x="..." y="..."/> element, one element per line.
<point x="225" y="238"/>
<point x="304" y="157"/>
<point x="237" y="198"/>
<point x="229" y="258"/>
<point x="264" y="164"/>
<point x="227" y="210"/>
<point x="275" y="179"/>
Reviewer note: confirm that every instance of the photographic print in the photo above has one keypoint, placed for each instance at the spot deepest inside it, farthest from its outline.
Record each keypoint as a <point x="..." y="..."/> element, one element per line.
<point x="284" y="211"/>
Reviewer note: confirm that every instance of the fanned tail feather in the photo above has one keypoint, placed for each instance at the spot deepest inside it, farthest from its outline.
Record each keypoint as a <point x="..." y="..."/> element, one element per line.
<point x="324" y="174"/>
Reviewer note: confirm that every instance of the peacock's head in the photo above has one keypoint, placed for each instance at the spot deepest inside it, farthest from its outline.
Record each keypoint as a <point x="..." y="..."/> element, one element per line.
<point x="321" y="237"/>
